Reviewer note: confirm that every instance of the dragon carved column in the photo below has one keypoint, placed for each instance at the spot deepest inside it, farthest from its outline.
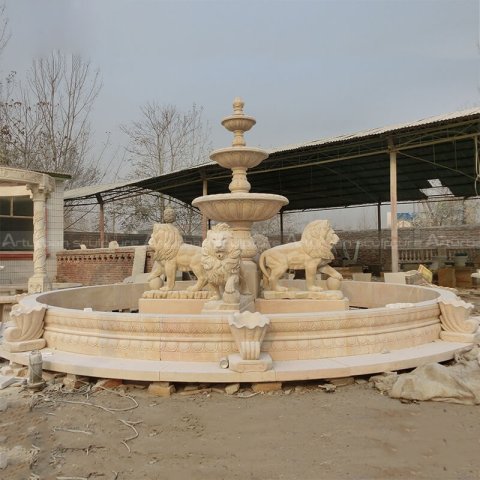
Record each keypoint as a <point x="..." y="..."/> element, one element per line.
<point x="39" y="282"/>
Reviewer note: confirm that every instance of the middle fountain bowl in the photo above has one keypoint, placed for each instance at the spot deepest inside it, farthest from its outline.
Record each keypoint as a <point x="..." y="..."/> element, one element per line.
<point x="235" y="157"/>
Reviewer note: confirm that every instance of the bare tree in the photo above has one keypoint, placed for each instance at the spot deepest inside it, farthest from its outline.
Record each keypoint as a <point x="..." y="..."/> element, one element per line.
<point x="5" y="85"/>
<point x="163" y="140"/>
<point x="271" y="228"/>
<point x="166" y="139"/>
<point x="4" y="32"/>
<point x="21" y="132"/>
<point x="366" y="218"/>
<point x="46" y="126"/>
<point x="447" y="212"/>
<point x="65" y="89"/>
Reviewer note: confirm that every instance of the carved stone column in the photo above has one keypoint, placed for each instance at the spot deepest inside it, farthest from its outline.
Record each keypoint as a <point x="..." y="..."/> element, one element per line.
<point x="39" y="282"/>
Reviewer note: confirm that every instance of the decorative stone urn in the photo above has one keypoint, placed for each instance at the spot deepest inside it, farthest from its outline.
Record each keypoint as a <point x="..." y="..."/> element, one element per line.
<point x="248" y="330"/>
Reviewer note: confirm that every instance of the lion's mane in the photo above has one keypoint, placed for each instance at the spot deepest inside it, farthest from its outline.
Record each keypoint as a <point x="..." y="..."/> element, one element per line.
<point x="166" y="240"/>
<point x="219" y="268"/>
<point x="317" y="238"/>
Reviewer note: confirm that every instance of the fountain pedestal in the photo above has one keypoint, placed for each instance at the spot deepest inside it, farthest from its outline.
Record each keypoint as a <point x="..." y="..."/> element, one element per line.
<point x="240" y="211"/>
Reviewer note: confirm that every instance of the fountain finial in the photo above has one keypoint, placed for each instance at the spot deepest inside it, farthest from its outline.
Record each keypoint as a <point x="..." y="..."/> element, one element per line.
<point x="238" y="123"/>
<point x="238" y="105"/>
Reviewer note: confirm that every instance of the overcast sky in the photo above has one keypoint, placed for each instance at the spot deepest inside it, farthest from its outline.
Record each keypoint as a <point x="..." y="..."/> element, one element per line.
<point x="306" y="69"/>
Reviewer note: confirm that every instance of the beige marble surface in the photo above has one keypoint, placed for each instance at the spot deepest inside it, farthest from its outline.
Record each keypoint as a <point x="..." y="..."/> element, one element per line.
<point x="206" y="337"/>
<point x="300" y="306"/>
<point x="303" y="295"/>
<point x="196" y="342"/>
<point x="239" y="365"/>
<point x="104" y="367"/>
<point x="170" y="306"/>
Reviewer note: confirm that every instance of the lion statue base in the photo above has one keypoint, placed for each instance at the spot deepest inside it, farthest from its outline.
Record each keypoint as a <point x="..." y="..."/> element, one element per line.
<point x="303" y="295"/>
<point x="312" y="253"/>
<point x="245" y="303"/>
<point x="176" y="295"/>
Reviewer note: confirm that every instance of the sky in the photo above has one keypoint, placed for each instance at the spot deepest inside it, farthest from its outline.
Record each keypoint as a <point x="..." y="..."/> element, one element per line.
<point x="305" y="69"/>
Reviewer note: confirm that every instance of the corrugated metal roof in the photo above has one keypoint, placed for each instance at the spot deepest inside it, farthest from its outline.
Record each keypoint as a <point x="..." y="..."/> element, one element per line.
<point x="93" y="190"/>
<point x="337" y="171"/>
<point x="83" y="192"/>
<point x="382" y="130"/>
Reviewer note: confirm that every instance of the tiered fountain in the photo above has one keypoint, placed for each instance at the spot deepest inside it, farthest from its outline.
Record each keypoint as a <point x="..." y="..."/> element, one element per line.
<point x="97" y="331"/>
<point x="240" y="208"/>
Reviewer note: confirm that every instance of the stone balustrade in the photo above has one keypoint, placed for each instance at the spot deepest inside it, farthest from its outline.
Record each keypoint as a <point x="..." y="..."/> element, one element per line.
<point x="426" y="255"/>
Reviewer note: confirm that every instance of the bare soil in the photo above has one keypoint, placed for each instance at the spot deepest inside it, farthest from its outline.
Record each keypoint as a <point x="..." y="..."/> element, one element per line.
<point x="300" y="432"/>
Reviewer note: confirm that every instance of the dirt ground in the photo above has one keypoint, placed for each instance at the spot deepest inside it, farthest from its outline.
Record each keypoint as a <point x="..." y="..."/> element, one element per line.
<point x="300" y="432"/>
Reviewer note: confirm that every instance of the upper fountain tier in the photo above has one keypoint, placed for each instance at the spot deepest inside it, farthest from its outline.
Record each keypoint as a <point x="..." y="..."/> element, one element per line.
<point x="238" y="157"/>
<point x="240" y="203"/>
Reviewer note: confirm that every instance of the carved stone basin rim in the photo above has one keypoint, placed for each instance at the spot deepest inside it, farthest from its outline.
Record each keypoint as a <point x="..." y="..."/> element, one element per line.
<point x="253" y="207"/>
<point x="231" y="157"/>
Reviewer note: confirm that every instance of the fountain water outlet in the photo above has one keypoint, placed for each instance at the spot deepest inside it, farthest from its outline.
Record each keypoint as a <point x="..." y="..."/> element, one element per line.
<point x="248" y="330"/>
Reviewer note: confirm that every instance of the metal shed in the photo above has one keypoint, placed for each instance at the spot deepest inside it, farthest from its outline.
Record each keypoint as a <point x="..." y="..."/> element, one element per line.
<point x="384" y="165"/>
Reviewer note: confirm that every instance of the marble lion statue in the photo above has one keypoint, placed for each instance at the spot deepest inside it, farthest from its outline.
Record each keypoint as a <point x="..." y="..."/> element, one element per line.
<point x="172" y="255"/>
<point x="222" y="264"/>
<point x="312" y="253"/>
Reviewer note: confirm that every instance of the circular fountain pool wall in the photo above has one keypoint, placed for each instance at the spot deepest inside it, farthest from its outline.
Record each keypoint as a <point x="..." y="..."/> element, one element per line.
<point x="81" y="320"/>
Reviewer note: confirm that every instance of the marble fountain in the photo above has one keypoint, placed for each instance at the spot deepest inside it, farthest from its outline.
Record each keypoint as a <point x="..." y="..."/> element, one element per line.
<point x="241" y="320"/>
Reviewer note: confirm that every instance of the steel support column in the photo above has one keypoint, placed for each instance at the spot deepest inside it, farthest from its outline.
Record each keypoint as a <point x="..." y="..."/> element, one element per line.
<point x="205" y="222"/>
<point x="101" y="220"/>
<point x="281" y="227"/>
<point x="379" y="229"/>
<point x="393" y="205"/>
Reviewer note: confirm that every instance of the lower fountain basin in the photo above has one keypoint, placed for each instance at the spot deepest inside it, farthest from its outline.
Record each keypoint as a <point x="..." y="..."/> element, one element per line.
<point x="206" y="337"/>
<point x="85" y="336"/>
